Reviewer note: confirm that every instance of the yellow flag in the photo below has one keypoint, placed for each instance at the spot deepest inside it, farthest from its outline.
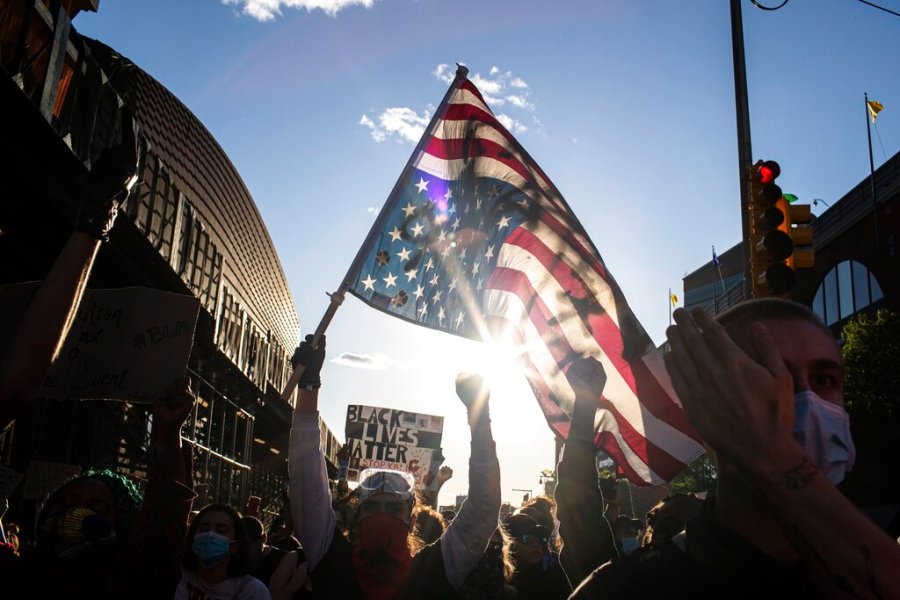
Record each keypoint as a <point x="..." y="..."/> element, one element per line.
<point x="674" y="298"/>
<point x="874" y="108"/>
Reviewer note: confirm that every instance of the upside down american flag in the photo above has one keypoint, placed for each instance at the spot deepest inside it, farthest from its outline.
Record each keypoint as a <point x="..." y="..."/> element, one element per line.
<point x="476" y="241"/>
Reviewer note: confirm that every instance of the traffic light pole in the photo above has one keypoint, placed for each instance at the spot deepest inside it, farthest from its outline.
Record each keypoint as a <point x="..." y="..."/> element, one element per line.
<point x="745" y="154"/>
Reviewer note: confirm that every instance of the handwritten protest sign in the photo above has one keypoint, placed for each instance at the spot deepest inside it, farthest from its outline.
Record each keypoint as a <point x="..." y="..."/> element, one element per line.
<point x="43" y="477"/>
<point x="9" y="481"/>
<point x="387" y="438"/>
<point x="125" y="344"/>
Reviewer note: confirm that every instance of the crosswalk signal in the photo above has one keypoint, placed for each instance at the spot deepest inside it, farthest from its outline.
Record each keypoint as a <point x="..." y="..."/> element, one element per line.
<point x="780" y="234"/>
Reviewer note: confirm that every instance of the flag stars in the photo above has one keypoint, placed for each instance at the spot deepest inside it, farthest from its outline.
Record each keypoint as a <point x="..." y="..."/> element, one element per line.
<point x="437" y="296"/>
<point x="503" y="222"/>
<point x="451" y="209"/>
<point x="475" y="268"/>
<point x="456" y="223"/>
<point x="452" y="285"/>
<point x="494" y="192"/>
<point x="410" y="275"/>
<point x="422" y="185"/>
<point x="409" y="210"/>
<point x="449" y="194"/>
<point x="403" y="254"/>
<point x="434" y="279"/>
<point x="478" y="203"/>
<point x="420" y="291"/>
<point x="441" y="315"/>
<point x="390" y="280"/>
<point x="429" y="265"/>
<point x="424" y="310"/>
<point x="395" y="234"/>
<point x="459" y="319"/>
<point x="368" y="282"/>
<point x="462" y="254"/>
<point x="489" y="253"/>
<point x="417" y="229"/>
<point x="523" y="203"/>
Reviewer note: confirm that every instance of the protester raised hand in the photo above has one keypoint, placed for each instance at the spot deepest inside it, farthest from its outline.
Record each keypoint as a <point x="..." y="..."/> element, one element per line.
<point x="444" y="474"/>
<point x="312" y="359"/>
<point x="169" y="416"/>
<point x="111" y="178"/>
<point x="473" y="391"/>
<point x="587" y="378"/>
<point x="741" y="405"/>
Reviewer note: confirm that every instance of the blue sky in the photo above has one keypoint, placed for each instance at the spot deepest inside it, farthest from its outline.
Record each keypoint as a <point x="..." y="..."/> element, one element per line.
<point x="627" y="105"/>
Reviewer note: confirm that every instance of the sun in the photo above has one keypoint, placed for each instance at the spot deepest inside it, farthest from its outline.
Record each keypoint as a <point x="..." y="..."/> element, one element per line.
<point x="498" y="361"/>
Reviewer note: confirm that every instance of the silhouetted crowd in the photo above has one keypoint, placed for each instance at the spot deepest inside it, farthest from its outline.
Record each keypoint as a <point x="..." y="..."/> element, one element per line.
<point x="761" y="384"/>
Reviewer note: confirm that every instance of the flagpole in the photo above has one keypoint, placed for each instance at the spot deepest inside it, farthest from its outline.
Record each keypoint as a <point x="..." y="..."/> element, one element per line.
<point x="871" y="167"/>
<point x="337" y="298"/>
<point x="670" y="306"/>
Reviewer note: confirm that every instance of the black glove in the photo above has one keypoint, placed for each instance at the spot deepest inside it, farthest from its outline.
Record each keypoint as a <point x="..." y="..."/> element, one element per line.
<point x="108" y="184"/>
<point x="312" y="358"/>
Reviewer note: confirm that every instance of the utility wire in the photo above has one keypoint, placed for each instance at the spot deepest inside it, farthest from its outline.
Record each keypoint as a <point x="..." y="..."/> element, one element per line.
<point x="873" y="5"/>
<point x="760" y="6"/>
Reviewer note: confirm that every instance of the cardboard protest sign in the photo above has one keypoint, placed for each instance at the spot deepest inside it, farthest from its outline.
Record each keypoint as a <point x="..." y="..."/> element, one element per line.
<point x="125" y="344"/>
<point x="43" y="477"/>
<point x="387" y="438"/>
<point x="9" y="481"/>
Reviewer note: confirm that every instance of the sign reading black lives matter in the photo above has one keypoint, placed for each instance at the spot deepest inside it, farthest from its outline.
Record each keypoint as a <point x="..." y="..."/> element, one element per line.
<point x="389" y="438"/>
<point x="125" y="344"/>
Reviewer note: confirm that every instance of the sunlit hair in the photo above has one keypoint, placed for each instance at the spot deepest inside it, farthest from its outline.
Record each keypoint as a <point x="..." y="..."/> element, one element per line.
<point x="429" y="524"/>
<point x="509" y="563"/>
<point x="669" y="517"/>
<point x="239" y="562"/>
<point x="774" y="309"/>
<point x="542" y="509"/>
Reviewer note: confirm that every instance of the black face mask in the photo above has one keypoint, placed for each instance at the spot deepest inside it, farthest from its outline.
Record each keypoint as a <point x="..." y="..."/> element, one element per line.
<point x="486" y="579"/>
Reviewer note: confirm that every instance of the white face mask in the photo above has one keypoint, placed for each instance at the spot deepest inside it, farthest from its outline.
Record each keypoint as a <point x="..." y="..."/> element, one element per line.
<point x="823" y="429"/>
<point x="629" y="545"/>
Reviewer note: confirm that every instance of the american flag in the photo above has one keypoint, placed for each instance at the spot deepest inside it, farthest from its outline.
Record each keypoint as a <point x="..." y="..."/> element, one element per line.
<point x="476" y="241"/>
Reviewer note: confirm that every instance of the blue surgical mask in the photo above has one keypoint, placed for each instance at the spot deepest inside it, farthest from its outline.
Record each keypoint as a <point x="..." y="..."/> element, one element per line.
<point x="629" y="545"/>
<point x="823" y="429"/>
<point x="211" y="548"/>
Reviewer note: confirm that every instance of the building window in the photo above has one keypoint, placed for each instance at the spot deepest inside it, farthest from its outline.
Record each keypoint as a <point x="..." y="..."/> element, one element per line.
<point x="846" y="289"/>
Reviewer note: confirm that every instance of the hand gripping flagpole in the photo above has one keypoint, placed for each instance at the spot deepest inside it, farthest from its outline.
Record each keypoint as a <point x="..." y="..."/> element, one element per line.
<point x="337" y="298"/>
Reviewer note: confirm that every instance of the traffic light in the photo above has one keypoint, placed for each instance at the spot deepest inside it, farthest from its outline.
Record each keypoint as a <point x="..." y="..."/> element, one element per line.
<point x="779" y="230"/>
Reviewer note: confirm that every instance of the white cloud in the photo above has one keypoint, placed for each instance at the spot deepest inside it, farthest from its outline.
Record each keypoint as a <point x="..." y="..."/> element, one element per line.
<point x="375" y="362"/>
<point x="372" y="210"/>
<point x="517" y="82"/>
<point x="444" y="72"/>
<point x="494" y="70"/>
<point x="487" y="86"/>
<point x="400" y="123"/>
<point x="513" y="125"/>
<point x="266" y="10"/>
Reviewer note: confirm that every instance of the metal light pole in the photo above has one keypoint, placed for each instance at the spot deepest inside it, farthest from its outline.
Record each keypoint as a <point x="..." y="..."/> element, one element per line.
<point x="745" y="153"/>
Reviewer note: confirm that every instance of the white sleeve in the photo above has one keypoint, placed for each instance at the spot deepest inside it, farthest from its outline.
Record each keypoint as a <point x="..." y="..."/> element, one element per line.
<point x="466" y="538"/>
<point x="253" y="589"/>
<point x="310" y="496"/>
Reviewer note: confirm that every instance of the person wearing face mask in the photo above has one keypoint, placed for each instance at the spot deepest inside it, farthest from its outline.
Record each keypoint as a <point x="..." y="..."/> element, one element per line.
<point x="384" y="563"/>
<point x="97" y="537"/>
<point x="762" y="385"/>
<point x="217" y="559"/>
<point x="537" y="574"/>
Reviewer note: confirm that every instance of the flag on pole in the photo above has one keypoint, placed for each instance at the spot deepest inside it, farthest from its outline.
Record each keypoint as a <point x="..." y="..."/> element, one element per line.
<point x="673" y="298"/>
<point x="716" y="260"/>
<point x="874" y="108"/>
<point x="475" y="240"/>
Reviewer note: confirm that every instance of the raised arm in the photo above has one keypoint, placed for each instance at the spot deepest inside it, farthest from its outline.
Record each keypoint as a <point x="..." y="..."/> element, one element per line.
<point x="742" y="406"/>
<point x="587" y="537"/>
<point x="467" y="536"/>
<point x="48" y="319"/>
<point x="310" y="497"/>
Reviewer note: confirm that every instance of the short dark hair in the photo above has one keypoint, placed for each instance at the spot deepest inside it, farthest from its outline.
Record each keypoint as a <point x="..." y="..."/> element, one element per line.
<point x="254" y="528"/>
<point x="776" y="309"/>
<point x="239" y="562"/>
